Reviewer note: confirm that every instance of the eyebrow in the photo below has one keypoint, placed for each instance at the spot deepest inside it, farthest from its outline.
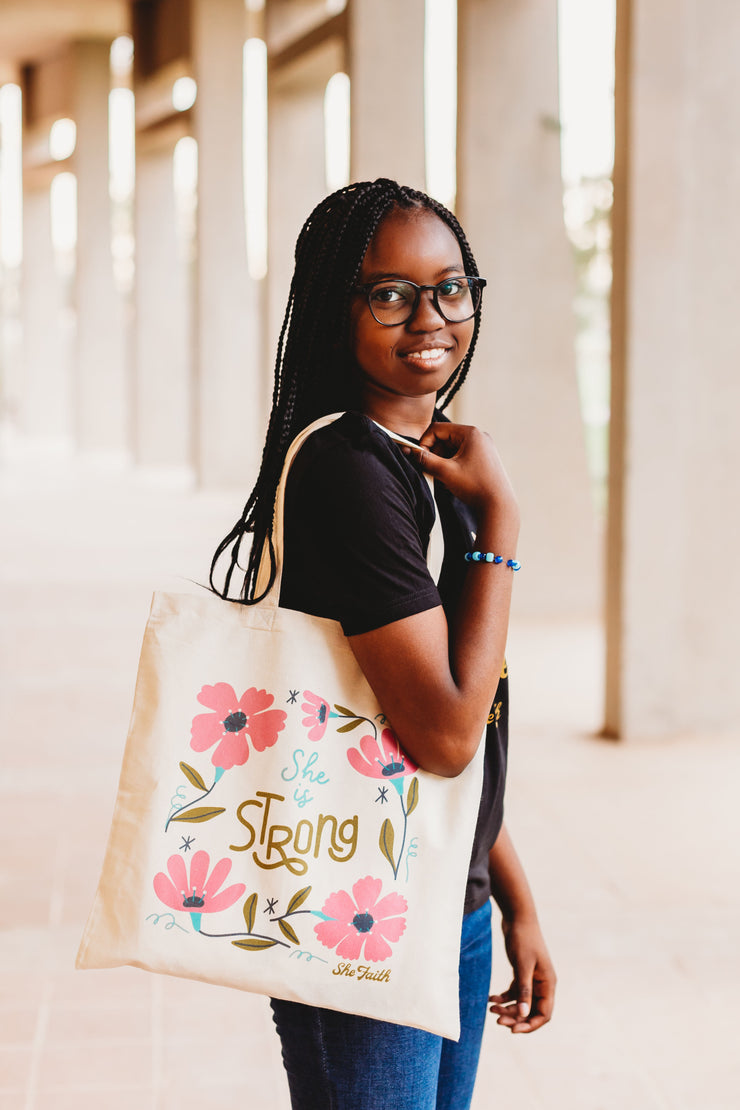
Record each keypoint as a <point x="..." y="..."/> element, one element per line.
<point x="379" y="275"/>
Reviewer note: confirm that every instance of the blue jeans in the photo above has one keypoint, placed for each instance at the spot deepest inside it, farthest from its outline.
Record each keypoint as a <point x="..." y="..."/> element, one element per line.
<point x="343" y="1062"/>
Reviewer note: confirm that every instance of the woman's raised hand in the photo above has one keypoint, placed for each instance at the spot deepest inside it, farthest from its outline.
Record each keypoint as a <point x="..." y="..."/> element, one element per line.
<point x="466" y="461"/>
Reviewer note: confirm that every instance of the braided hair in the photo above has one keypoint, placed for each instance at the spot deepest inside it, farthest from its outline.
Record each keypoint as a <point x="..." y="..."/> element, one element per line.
<point x="314" y="369"/>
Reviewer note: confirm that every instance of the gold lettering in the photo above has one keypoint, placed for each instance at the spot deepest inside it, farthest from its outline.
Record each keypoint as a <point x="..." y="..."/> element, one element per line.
<point x="363" y="971"/>
<point x="309" y="837"/>
<point x="349" y="841"/>
<point x="323" y="820"/>
<point x="278" y="839"/>
<point x="270" y="799"/>
<point x="274" y="844"/>
<point x="252" y="834"/>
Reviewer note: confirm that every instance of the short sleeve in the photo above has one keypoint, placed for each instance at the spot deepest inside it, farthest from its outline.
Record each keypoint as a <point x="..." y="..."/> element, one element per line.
<point x="357" y="522"/>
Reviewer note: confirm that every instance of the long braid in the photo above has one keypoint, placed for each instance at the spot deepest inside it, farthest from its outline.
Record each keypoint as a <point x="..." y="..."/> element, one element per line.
<point x="313" y="372"/>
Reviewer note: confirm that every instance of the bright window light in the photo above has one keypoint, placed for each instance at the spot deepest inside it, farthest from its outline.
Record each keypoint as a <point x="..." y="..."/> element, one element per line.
<point x="185" y="183"/>
<point x="121" y="143"/>
<point x="11" y="247"/>
<point x="184" y="92"/>
<point x="336" y="131"/>
<point x="586" y="30"/>
<point x="185" y="166"/>
<point x="122" y="55"/>
<point x="255" y="155"/>
<point x="62" y="139"/>
<point x="63" y="205"/>
<point x="440" y="98"/>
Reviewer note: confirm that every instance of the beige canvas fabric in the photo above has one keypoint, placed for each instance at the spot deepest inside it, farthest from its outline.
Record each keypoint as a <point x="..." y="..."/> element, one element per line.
<point x="269" y="834"/>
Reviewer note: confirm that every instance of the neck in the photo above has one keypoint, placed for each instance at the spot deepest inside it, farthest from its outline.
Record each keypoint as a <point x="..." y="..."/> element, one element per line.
<point x="408" y="416"/>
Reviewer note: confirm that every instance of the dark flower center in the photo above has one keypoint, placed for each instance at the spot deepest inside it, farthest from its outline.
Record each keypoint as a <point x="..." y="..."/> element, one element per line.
<point x="235" y="722"/>
<point x="193" y="902"/>
<point x="321" y="715"/>
<point x="392" y="769"/>
<point x="363" y="922"/>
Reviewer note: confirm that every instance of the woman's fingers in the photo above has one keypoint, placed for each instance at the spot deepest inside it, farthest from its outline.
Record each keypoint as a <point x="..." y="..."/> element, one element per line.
<point x="446" y="437"/>
<point x="466" y="461"/>
<point x="507" y="996"/>
<point x="522" y="1009"/>
<point x="435" y="465"/>
<point x="524" y="995"/>
<point x="514" y="1002"/>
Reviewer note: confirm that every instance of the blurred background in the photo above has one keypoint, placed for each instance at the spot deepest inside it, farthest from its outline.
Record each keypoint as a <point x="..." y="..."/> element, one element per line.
<point x="157" y="160"/>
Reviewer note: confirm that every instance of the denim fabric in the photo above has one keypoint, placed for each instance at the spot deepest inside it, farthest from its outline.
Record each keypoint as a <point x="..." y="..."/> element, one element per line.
<point x="343" y="1062"/>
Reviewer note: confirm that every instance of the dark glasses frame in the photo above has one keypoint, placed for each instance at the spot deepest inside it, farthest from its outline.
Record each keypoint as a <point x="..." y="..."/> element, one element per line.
<point x="478" y="283"/>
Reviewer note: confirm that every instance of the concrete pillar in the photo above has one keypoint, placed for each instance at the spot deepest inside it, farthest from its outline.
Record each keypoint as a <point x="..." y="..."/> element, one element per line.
<point x="674" y="533"/>
<point x="386" y="58"/>
<point x="296" y="166"/>
<point x="522" y="385"/>
<point x="101" y="395"/>
<point x="45" y="401"/>
<point x="230" y="380"/>
<point x="162" y="342"/>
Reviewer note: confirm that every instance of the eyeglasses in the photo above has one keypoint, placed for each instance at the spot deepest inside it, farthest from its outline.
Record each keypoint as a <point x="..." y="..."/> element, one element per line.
<point x="391" y="302"/>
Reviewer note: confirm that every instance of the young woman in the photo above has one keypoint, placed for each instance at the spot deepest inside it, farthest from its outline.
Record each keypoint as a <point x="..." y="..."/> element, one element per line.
<point x="381" y="323"/>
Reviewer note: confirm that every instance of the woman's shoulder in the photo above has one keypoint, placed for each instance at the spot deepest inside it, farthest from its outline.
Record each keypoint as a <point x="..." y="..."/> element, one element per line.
<point x="352" y="451"/>
<point x="356" y="529"/>
<point x="355" y="436"/>
<point x="353" y="470"/>
<point x="352" y="434"/>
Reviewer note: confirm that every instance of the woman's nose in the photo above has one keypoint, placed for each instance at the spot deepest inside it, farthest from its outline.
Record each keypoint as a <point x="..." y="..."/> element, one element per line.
<point x="426" y="317"/>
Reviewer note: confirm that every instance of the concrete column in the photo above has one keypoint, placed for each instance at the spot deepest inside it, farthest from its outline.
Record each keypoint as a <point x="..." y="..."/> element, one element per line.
<point x="386" y="56"/>
<point x="296" y="168"/>
<point x="522" y="385"/>
<point x="45" y="396"/>
<point x="101" y="400"/>
<point x="230" y="385"/>
<point x="674" y="532"/>
<point x="162" y="343"/>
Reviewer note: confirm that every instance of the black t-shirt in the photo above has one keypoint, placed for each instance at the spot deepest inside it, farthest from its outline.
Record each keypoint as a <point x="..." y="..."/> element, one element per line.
<point x="358" y="517"/>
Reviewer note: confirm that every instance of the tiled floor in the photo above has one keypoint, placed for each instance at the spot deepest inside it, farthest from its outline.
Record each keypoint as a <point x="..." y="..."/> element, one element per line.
<point x="633" y="851"/>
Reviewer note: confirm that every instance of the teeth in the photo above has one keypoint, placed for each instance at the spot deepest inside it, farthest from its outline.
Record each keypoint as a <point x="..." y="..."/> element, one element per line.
<point x="427" y="356"/>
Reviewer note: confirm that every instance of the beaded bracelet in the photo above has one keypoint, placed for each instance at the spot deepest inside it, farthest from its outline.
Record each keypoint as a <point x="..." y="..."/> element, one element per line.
<point x="489" y="557"/>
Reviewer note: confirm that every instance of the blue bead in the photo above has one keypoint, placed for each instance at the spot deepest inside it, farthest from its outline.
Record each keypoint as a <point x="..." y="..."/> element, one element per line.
<point x="489" y="556"/>
<point x="498" y="558"/>
<point x="468" y="556"/>
<point x="477" y="556"/>
<point x="514" y="564"/>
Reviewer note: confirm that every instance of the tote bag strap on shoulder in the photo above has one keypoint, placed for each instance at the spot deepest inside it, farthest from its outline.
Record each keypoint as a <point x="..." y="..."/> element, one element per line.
<point x="435" y="550"/>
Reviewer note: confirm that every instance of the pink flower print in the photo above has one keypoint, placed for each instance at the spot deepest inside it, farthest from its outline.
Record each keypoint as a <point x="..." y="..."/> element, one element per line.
<point x="381" y="759"/>
<point x="232" y="721"/>
<point x="198" y="892"/>
<point x="365" y="920"/>
<point x="318" y="715"/>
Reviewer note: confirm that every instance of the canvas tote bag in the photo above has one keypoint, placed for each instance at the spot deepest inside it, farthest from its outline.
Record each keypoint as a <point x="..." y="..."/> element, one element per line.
<point x="269" y="833"/>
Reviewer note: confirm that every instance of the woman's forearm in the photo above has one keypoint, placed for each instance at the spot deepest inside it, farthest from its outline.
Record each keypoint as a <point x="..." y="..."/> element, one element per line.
<point x="509" y="885"/>
<point x="527" y="1003"/>
<point x="436" y="684"/>
<point x="478" y="637"/>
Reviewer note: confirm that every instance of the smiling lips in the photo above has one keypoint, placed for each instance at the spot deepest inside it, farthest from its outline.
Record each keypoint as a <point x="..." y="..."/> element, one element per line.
<point x="429" y="357"/>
